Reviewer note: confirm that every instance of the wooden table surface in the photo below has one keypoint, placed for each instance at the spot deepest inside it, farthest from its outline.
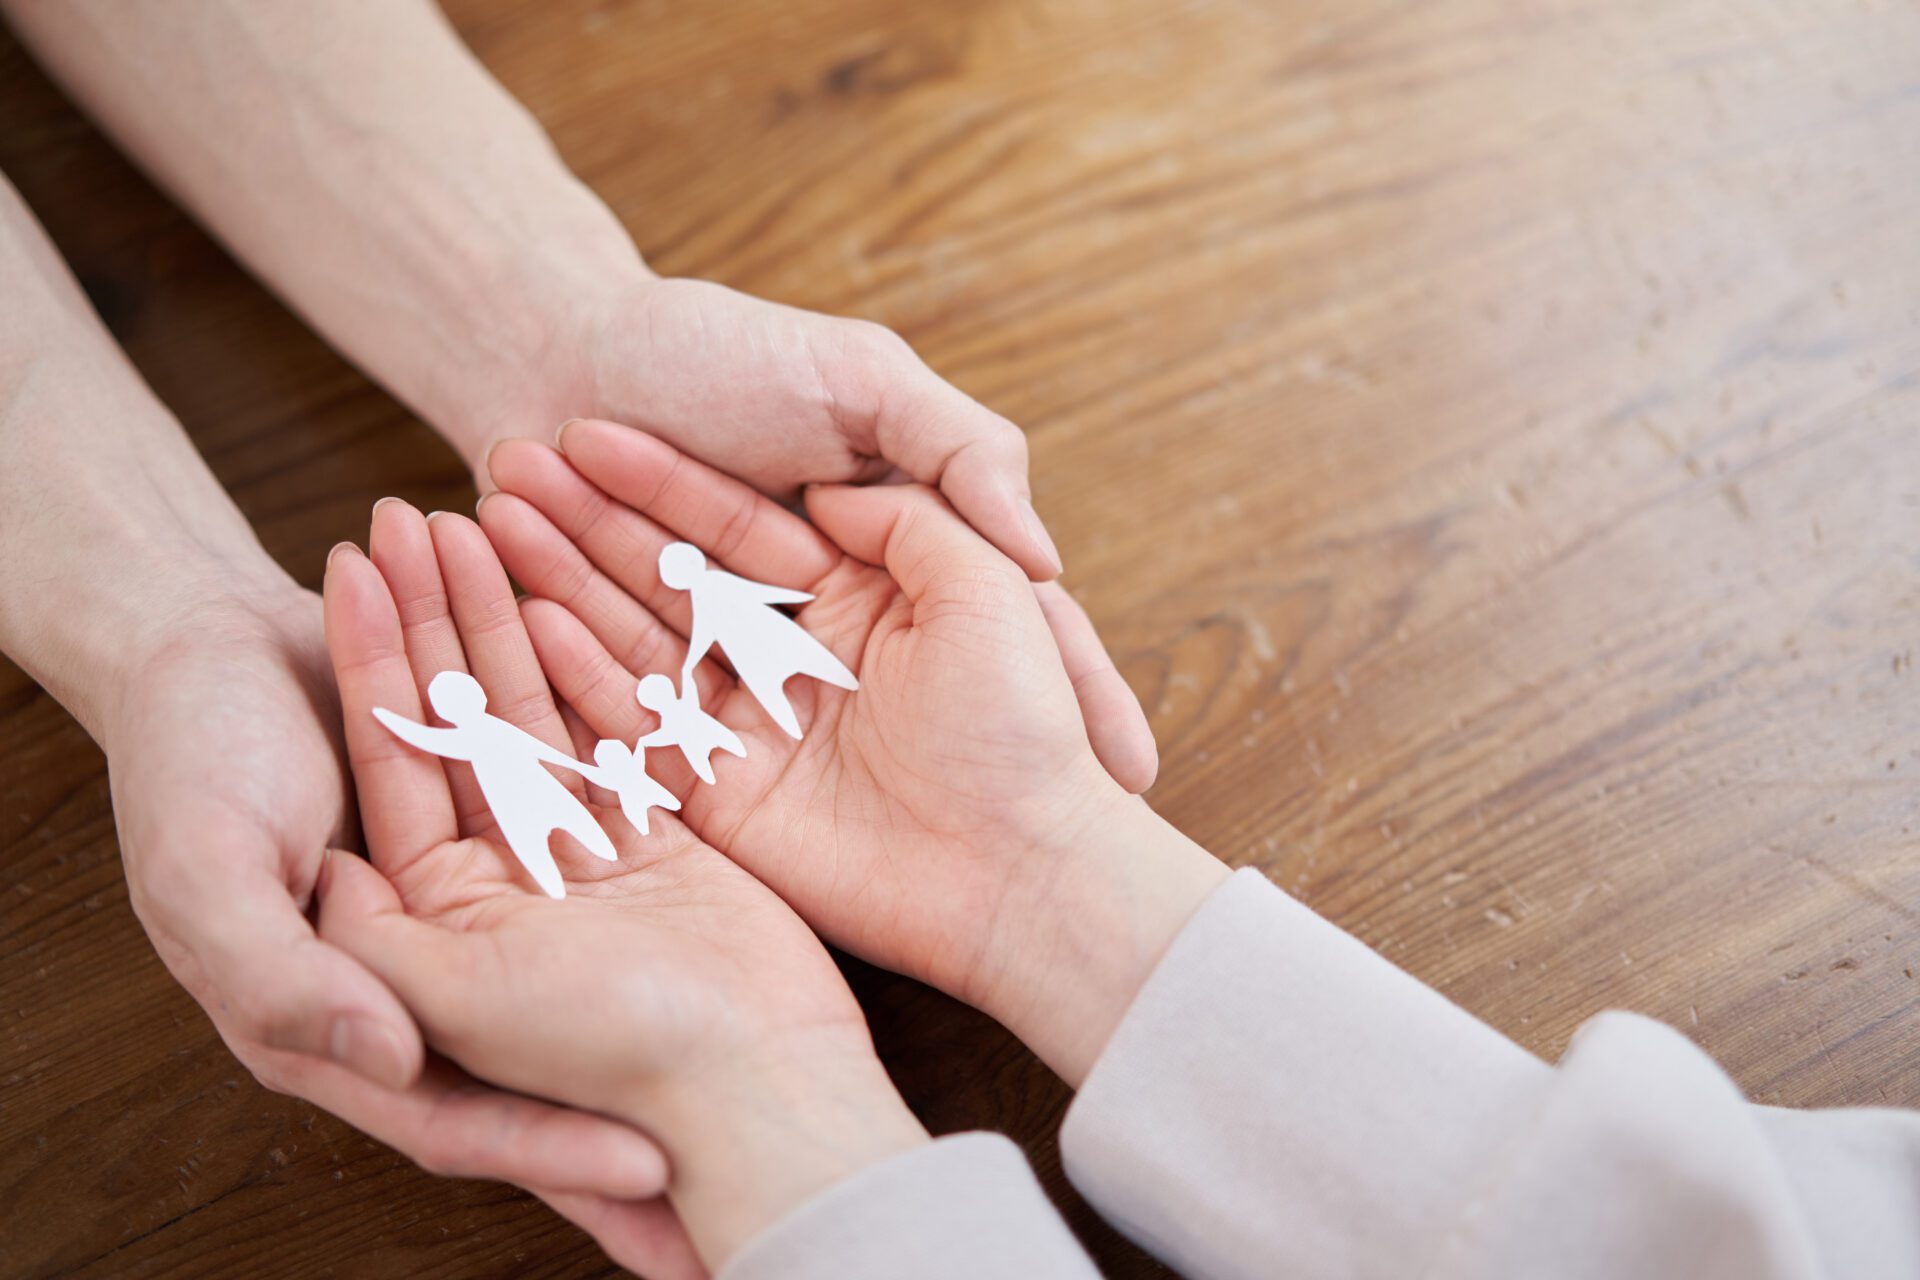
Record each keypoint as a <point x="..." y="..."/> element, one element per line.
<point x="1487" y="433"/>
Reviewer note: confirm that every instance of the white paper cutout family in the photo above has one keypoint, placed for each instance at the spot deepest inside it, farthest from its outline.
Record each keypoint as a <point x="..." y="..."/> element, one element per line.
<point x="766" y="648"/>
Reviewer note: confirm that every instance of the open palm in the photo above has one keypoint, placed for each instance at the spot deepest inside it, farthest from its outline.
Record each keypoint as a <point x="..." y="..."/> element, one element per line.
<point x="898" y="823"/>
<point x="661" y="966"/>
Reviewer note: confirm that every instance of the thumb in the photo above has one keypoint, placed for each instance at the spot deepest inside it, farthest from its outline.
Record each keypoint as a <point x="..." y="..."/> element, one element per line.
<point x="426" y="965"/>
<point x="941" y="436"/>
<point x="267" y="979"/>
<point x="911" y="533"/>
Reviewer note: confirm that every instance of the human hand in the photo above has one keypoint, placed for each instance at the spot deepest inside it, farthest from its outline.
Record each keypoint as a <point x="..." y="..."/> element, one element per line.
<point x="228" y="786"/>
<point x="950" y="819"/>
<point x="670" y="988"/>
<point x="783" y="398"/>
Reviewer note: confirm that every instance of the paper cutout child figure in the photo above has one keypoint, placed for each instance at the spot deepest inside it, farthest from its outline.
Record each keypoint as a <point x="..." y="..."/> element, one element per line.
<point x="529" y="804"/>
<point x="765" y="646"/>
<point x="623" y="771"/>
<point x="684" y="725"/>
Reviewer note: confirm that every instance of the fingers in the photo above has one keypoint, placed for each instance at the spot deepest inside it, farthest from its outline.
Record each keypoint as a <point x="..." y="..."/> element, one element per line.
<point x="401" y="547"/>
<point x="644" y="1236"/>
<point x="913" y="534"/>
<point x="601" y="691"/>
<point x="585" y="549"/>
<point x="1117" y="727"/>
<point x="452" y="1125"/>
<point x="406" y="799"/>
<point x="941" y="436"/>
<point x="466" y="1131"/>
<point x="732" y="522"/>
<point x="431" y="968"/>
<point x="551" y="567"/>
<point x="487" y="616"/>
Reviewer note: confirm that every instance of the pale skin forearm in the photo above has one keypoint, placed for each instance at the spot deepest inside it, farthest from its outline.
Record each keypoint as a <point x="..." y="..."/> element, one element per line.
<point x="111" y="526"/>
<point x="360" y="160"/>
<point x="1070" y="952"/>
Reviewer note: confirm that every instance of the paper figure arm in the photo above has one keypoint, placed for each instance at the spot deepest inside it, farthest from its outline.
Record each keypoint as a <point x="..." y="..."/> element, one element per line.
<point x="766" y="593"/>
<point x="448" y="744"/>
<point x="697" y="645"/>
<point x="555" y="756"/>
<point x="763" y="592"/>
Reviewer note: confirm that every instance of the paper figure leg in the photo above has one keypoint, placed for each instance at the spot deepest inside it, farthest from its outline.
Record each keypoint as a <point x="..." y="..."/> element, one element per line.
<point x="529" y="844"/>
<point x="700" y="758"/>
<point x="771" y="693"/>
<point x="634" y="809"/>
<point x="582" y="827"/>
<point x="823" y="666"/>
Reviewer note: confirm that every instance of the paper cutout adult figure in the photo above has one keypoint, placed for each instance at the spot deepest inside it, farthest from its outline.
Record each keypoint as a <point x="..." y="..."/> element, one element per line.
<point x="529" y="804"/>
<point x="765" y="646"/>
<point x="685" y="725"/>
<point x="623" y="771"/>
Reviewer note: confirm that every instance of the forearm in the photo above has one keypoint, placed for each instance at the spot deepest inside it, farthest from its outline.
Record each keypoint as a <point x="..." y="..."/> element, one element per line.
<point x="110" y="523"/>
<point x="359" y="158"/>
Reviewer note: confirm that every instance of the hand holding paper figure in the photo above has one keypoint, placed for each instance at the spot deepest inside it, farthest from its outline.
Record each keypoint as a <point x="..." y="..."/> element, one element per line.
<point x="667" y="988"/>
<point x="528" y="803"/>
<point x="913" y="806"/>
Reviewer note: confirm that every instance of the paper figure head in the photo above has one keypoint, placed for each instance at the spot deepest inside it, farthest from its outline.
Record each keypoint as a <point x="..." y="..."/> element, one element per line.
<point x="457" y="697"/>
<point x="681" y="565"/>
<point x="611" y="754"/>
<point x="656" y="691"/>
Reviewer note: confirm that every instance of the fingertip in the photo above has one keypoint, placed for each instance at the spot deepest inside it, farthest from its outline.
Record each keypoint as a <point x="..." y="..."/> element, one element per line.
<point x="373" y="1049"/>
<point x="512" y="461"/>
<point x="638" y="1169"/>
<point x="1133" y="758"/>
<point x="1042" y="560"/>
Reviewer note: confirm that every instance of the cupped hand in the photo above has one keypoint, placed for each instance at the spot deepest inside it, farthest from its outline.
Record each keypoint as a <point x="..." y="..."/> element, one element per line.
<point x="947" y="820"/>
<point x="784" y="398"/>
<point x="669" y="987"/>
<point x="228" y="786"/>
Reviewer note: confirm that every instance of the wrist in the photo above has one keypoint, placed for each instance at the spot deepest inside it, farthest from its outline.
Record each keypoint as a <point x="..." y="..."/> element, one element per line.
<point x="755" y="1136"/>
<point x="1073" y="944"/>
<point x="520" y="316"/>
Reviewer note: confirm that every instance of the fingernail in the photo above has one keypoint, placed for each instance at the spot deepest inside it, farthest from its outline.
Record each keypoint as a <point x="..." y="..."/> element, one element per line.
<point x="432" y="514"/>
<point x="383" y="502"/>
<point x="560" y="436"/>
<point x="368" y="1049"/>
<point x="481" y="501"/>
<point x="338" y="547"/>
<point x="1038" y="532"/>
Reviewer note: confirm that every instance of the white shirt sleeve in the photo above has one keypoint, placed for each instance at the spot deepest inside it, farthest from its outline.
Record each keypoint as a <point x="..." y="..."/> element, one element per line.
<point x="965" y="1207"/>
<point x="1280" y="1101"/>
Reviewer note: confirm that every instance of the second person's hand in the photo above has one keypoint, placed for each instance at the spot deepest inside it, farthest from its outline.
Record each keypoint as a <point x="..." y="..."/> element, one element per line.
<point x="950" y="819"/>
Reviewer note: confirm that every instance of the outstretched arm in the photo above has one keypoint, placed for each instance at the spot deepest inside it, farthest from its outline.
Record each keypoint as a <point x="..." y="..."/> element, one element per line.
<point x="766" y="593"/>
<point x="448" y="744"/>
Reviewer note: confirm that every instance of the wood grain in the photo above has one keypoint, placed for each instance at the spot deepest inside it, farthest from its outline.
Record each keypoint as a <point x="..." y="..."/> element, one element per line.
<point x="1488" y="434"/>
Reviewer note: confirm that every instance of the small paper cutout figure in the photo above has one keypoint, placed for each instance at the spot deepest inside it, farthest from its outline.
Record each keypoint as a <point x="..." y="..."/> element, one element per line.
<point x="529" y="804"/>
<point x="765" y="646"/>
<point x="623" y="771"/>
<point x="685" y="725"/>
